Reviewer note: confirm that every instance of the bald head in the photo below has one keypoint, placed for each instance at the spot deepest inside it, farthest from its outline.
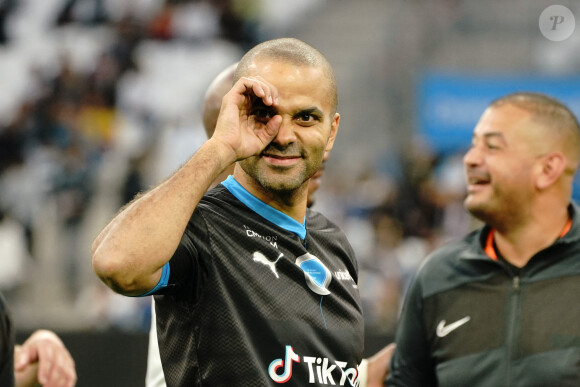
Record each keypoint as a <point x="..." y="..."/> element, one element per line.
<point x="293" y="51"/>
<point x="212" y="102"/>
<point x="559" y="127"/>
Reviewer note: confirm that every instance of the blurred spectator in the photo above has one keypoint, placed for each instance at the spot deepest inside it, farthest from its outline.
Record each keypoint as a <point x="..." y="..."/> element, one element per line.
<point x="160" y="26"/>
<point x="134" y="180"/>
<point x="416" y="206"/>
<point x="6" y="8"/>
<point x="451" y="190"/>
<point x="73" y="189"/>
<point x="85" y="11"/>
<point x="13" y="139"/>
<point x="238" y="21"/>
<point x="130" y="33"/>
<point x="14" y="254"/>
<point x="380" y="275"/>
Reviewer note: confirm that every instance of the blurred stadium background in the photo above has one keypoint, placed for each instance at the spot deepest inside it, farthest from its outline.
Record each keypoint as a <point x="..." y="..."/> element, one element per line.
<point x="101" y="99"/>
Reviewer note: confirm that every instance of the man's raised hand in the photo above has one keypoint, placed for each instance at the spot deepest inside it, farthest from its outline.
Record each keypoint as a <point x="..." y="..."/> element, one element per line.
<point x="248" y="120"/>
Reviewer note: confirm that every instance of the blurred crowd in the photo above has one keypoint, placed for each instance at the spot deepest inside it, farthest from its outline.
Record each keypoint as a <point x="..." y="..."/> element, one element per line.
<point x="85" y="139"/>
<point x="395" y="214"/>
<point x="55" y="142"/>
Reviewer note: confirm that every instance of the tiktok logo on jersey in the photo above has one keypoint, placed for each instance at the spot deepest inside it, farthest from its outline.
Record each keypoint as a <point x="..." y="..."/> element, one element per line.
<point x="320" y="370"/>
<point x="286" y="363"/>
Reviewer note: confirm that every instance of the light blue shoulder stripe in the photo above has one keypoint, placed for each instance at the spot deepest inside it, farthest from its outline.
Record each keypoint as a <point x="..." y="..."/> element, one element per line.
<point x="163" y="281"/>
<point x="273" y="215"/>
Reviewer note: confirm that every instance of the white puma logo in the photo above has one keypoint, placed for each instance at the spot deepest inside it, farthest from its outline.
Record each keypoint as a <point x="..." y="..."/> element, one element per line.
<point x="259" y="257"/>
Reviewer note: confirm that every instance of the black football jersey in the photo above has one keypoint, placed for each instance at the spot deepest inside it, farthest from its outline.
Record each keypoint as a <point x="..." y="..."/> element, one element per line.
<point x="253" y="298"/>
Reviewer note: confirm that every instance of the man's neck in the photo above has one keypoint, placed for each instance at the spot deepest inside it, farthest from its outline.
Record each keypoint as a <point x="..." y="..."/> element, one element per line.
<point x="293" y="204"/>
<point x="519" y="244"/>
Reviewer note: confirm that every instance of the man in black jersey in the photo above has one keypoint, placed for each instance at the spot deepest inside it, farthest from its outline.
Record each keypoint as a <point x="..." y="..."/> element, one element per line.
<point x="375" y="366"/>
<point x="41" y="360"/>
<point x="500" y="306"/>
<point x="251" y="287"/>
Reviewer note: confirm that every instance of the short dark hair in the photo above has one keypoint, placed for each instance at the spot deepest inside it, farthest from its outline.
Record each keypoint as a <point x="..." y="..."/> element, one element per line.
<point x="550" y="112"/>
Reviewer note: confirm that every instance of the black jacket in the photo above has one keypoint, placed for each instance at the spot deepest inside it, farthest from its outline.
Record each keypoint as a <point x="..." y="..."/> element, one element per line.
<point x="471" y="321"/>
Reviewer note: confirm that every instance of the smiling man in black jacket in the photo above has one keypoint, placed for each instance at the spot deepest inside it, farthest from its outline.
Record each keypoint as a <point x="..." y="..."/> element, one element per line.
<point x="500" y="306"/>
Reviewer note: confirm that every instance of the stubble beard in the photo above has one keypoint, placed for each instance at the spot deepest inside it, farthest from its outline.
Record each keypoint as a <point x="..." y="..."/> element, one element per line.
<point x="283" y="182"/>
<point x="478" y="211"/>
<point x="497" y="212"/>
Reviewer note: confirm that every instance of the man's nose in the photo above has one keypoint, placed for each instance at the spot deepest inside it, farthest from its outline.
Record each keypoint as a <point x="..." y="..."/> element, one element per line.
<point x="286" y="134"/>
<point x="473" y="156"/>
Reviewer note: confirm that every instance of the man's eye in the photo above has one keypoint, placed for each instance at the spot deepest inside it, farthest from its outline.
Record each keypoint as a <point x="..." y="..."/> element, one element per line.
<point x="262" y="114"/>
<point x="307" y="118"/>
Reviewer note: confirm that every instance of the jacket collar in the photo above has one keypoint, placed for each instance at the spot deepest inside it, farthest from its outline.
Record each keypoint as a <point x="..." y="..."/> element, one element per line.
<point x="479" y="238"/>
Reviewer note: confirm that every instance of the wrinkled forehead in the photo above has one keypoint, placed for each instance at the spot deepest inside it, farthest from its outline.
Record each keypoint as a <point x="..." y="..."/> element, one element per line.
<point x="513" y="125"/>
<point x="294" y="81"/>
<point x="506" y="119"/>
<point x="274" y="70"/>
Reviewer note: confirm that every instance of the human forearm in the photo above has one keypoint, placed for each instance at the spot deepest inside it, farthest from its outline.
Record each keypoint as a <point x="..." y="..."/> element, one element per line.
<point x="129" y="253"/>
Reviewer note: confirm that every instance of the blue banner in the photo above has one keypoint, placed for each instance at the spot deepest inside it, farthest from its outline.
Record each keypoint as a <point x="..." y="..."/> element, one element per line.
<point x="450" y="104"/>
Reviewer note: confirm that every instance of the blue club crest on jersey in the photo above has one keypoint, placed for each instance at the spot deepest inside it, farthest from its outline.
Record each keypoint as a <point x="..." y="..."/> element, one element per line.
<point x="317" y="275"/>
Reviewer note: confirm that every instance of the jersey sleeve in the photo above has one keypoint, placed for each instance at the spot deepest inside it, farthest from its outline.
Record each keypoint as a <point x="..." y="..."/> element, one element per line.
<point x="411" y="364"/>
<point x="184" y="275"/>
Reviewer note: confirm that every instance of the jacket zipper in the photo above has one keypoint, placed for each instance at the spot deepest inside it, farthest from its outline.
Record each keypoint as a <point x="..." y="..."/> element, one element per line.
<point x="514" y="315"/>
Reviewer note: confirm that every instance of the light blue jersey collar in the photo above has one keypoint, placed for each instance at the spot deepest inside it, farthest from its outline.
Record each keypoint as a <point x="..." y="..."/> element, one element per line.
<point x="273" y="215"/>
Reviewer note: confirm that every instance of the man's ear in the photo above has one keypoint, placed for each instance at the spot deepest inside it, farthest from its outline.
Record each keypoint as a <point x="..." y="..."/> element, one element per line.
<point x="333" y="132"/>
<point x="552" y="167"/>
